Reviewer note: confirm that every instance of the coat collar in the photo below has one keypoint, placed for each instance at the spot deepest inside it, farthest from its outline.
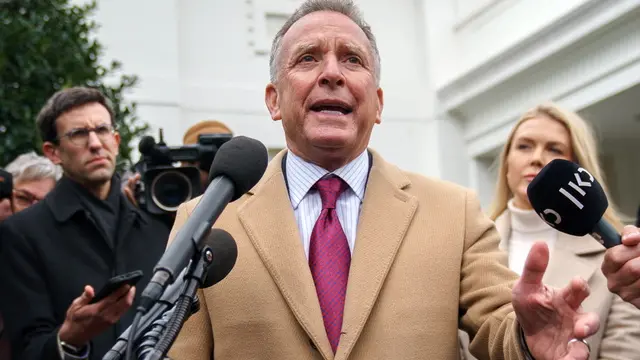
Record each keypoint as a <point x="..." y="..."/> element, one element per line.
<point x="277" y="241"/>
<point x="577" y="245"/>
<point x="64" y="200"/>
<point x="570" y="252"/>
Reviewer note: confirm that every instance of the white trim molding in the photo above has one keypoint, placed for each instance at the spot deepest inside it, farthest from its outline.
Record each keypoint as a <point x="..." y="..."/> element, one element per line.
<point x="259" y="12"/>
<point x="464" y="19"/>
<point x="604" y="64"/>
<point x="587" y="18"/>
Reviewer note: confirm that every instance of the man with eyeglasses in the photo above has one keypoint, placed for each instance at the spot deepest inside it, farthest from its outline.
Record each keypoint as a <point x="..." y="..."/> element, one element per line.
<point x="55" y="255"/>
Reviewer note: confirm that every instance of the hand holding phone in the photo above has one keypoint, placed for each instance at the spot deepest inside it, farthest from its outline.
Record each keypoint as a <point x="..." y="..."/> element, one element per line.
<point x="130" y="278"/>
<point x="87" y="316"/>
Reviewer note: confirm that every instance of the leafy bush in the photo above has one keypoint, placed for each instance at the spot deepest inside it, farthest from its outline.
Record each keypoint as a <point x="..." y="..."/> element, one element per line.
<point x="45" y="46"/>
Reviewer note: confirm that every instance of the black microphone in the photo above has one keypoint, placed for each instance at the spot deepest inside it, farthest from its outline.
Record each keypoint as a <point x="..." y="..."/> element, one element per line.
<point x="571" y="200"/>
<point x="158" y="153"/>
<point x="146" y="145"/>
<point x="225" y="253"/>
<point x="237" y="167"/>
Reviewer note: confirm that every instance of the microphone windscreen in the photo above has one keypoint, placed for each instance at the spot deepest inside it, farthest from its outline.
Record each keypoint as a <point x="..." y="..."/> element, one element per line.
<point x="243" y="160"/>
<point x="225" y="253"/>
<point x="567" y="197"/>
<point x="146" y="145"/>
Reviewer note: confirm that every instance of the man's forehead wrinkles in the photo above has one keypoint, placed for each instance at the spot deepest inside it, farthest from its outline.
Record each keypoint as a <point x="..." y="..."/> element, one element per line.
<point x="322" y="42"/>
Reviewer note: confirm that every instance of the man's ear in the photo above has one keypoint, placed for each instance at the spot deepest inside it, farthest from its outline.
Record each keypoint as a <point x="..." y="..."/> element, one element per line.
<point x="116" y="136"/>
<point x="271" y="99"/>
<point x="380" y="105"/>
<point x="52" y="152"/>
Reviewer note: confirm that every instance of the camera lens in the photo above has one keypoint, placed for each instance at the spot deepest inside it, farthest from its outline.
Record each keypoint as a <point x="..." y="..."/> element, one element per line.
<point x="170" y="189"/>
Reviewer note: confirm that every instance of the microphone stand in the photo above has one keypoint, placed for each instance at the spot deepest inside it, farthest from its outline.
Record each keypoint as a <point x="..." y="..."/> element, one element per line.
<point x="159" y="311"/>
<point x="202" y="271"/>
<point x="182" y="309"/>
<point x="149" y="339"/>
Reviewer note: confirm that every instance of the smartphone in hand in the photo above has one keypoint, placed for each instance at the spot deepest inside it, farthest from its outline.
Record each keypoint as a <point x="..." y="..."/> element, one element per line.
<point x="116" y="282"/>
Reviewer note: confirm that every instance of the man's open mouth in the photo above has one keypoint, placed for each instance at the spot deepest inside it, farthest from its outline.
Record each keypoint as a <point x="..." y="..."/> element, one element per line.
<point x="331" y="107"/>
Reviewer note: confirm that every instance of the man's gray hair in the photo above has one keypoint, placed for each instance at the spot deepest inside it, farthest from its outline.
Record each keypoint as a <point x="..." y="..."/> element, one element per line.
<point x="32" y="167"/>
<point x="345" y="7"/>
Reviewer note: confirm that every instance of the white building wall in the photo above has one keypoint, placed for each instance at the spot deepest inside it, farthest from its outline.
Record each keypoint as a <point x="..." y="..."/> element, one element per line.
<point x="455" y="73"/>
<point x="500" y="58"/>
<point x="466" y="33"/>
<point x="622" y="165"/>
<point x="208" y="59"/>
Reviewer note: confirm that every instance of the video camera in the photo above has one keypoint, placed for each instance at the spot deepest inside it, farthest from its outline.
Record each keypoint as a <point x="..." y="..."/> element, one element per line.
<point x="164" y="184"/>
<point x="6" y="184"/>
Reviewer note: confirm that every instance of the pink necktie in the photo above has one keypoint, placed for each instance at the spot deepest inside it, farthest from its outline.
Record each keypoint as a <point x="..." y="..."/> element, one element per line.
<point x="330" y="258"/>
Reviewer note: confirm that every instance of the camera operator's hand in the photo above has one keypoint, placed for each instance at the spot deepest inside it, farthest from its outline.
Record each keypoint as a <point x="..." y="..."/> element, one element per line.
<point x="84" y="321"/>
<point x="130" y="188"/>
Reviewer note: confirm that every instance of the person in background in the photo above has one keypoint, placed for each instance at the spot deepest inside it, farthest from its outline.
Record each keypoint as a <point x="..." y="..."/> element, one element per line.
<point x="60" y="251"/>
<point x="33" y="177"/>
<point x="191" y="137"/>
<point x="542" y="134"/>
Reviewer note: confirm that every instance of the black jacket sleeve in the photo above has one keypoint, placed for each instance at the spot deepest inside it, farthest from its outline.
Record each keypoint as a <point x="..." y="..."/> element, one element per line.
<point x="25" y="303"/>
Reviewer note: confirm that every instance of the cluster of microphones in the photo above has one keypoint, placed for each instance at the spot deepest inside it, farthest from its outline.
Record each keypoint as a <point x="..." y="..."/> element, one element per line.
<point x="237" y="167"/>
<point x="563" y="194"/>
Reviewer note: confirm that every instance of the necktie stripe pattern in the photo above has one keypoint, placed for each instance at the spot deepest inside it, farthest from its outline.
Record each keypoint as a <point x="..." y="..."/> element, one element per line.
<point x="330" y="258"/>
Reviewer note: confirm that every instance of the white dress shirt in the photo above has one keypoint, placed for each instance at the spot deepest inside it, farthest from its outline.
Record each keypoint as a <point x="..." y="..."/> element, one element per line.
<point x="306" y="202"/>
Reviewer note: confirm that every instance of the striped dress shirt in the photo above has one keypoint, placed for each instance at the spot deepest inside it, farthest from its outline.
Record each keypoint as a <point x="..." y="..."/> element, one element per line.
<point x="306" y="202"/>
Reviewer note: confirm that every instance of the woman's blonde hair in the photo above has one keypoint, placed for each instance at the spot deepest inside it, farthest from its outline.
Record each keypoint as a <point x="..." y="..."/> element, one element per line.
<point x="584" y="148"/>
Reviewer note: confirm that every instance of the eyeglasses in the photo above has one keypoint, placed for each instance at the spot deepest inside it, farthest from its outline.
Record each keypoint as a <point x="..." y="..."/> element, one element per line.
<point x="24" y="198"/>
<point x="80" y="136"/>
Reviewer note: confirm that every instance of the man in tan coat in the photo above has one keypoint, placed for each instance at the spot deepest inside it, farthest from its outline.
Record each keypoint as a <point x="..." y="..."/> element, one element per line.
<point x="342" y="255"/>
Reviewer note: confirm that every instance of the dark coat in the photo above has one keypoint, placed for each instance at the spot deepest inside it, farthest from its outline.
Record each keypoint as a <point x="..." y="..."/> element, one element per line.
<point x="5" y="348"/>
<point x="50" y="251"/>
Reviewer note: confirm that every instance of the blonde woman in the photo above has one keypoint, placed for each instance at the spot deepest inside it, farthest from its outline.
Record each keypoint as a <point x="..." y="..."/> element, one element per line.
<point x="542" y="134"/>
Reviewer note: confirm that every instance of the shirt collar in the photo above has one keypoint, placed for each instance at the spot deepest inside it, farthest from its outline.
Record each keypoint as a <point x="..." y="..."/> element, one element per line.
<point x="65" y="199"/>
<point x="302" y="175"/>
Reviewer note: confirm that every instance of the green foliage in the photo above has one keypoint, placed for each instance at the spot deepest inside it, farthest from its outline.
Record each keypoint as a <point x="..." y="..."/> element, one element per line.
<point x="45" y="46"/>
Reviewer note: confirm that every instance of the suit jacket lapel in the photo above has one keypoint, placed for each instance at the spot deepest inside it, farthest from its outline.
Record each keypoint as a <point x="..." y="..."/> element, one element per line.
<point x="385" y="217"/>
<point x="268" y="219"/>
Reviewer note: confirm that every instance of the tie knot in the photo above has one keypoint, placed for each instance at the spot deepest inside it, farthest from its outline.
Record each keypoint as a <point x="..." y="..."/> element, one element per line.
<point x="330" y="189"/>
